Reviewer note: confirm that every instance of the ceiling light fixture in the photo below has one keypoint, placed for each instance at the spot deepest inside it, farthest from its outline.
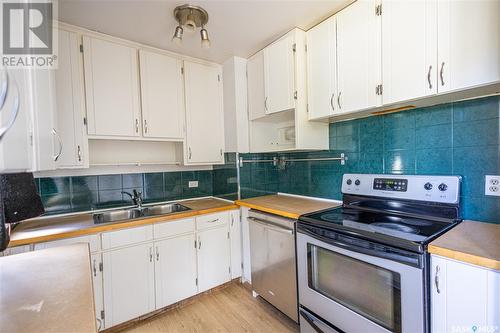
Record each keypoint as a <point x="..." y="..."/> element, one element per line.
<point x="191" y="17"/>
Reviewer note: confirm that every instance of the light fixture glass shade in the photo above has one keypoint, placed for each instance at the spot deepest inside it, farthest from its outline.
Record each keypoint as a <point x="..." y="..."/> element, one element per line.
<point x="177" y="37"/>
<point x="205" y="41"/>
<point x="190" y="23"/>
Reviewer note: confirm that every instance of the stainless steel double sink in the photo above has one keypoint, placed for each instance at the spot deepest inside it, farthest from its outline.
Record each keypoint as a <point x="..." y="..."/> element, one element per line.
<point x="136" y="213"/>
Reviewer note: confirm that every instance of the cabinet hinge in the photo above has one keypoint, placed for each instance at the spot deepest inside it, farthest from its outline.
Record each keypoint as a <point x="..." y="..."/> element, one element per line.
<point x="294" y="47"/>
<point x="242" y="266"/>
<point x="305" y="47"/>
<point x="378" y="10"/>
<point x="195" y="244"/>
<point x="378" y="89"/>
<point x="295" y="94"/>
<point x="218" y="78"/>
<point x="307" y="108"/>
<point x="31" y="138"/>
<point x="182" y="70"/>
<point x="102" y="314"/>
<point x="101" y="267"/>
<point x="229" y="269"/>
<point x="81" y="48"/>
<point x="85" y="121"/>
<point x="228" y="235"/>
<point x="196" y="281"/>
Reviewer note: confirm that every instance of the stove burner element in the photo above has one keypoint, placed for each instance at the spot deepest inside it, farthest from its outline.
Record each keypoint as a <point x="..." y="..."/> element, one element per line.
<point x="395" y="226"/>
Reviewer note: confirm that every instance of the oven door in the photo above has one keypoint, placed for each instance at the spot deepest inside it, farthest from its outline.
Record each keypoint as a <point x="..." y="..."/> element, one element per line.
<point x="351" y="285"/>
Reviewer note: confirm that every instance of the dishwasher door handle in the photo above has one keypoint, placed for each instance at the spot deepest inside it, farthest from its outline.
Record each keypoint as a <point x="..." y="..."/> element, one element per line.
<point x="271" y="226"/>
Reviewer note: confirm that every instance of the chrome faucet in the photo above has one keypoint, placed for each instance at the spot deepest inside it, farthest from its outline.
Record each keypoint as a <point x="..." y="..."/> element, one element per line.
<point x="136" y="197"/>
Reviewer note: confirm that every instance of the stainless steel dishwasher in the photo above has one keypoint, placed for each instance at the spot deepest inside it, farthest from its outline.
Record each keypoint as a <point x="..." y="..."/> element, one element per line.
<point x="274" y="270"/>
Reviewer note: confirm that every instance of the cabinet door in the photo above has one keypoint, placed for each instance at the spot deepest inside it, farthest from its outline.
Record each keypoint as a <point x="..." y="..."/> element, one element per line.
<point x="175" y="270"/>
<point x="162" y="92"/>
<point x="96" y="266"/>
<point x="15" y="121"/>
<point x="213" y="258"/>
<point x="204" y="114"/>
<point x="468" y="43"/>
<point x="279" y="75"/>
<point x="256" y="93"/>
<point x="322" y="69"/>
<point x="128" y="276"/>
<point x="111" y="88"/>
<point x="70" y="107"/>
<point x="359" y="57"/>
<point x="235" y="237"/>
<point x="409" y="25"/>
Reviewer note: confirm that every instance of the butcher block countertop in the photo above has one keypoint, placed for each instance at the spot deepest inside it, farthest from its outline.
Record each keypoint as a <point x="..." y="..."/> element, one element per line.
<point x="59" y="227"/>
<point x="286" y="205"/>
<point x="47" y="291"/>
<point x="471" y="242"/>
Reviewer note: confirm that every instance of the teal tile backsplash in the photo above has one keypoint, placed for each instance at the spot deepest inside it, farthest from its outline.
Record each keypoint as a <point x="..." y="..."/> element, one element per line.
<point x="460" y="138"/>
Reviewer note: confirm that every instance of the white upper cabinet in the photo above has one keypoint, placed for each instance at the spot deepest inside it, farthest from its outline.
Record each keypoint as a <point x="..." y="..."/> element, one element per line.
<point x="409" y="49"/>
<point x="204" y="114"/>
<point x="279" y="75"/>
<point x="359" y="57"/>
<point x="70" y="103"/>
<point x="112" y="88"/>
<point x="468" y="43"/>
<point x="162" y="92"/>
<point x="322" y="69"/>
<point x="256" y="90"/>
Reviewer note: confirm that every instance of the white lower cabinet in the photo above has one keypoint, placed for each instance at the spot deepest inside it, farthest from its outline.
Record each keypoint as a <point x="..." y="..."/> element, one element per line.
<point x="175" y="269"/>
<point x="235" y="238"/>
<point x="213" y="258"/>
<point x="129" y="283"/>
<point x="464" y="297"/>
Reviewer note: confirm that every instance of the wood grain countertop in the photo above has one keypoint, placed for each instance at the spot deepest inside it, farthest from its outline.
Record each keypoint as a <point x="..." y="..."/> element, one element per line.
<point x="38" y="294"/>
<point x="286" y="205"/>
<point x="472" y="242"/>
<point x="59" y="227"/>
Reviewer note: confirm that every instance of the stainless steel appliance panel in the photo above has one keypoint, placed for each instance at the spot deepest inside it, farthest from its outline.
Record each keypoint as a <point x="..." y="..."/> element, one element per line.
<point x="272" y="246"/>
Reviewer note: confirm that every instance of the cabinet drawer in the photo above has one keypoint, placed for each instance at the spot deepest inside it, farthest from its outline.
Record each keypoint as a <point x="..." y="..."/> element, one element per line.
<point x="92" y="240"/>
<point x="212" y="220"/>
<point x="172" y="228"/>
<point x="126" y="237"/>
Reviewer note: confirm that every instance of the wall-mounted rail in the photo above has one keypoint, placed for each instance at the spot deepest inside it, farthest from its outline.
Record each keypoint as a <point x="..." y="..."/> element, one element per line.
<point x="281" y="161"/>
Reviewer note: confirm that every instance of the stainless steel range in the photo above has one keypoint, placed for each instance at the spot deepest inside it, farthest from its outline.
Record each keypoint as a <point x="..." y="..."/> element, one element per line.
<point x="363" y="267"/>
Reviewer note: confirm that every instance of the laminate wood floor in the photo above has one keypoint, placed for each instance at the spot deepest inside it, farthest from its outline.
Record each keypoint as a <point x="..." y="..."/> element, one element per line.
<point x="231" y="309"/>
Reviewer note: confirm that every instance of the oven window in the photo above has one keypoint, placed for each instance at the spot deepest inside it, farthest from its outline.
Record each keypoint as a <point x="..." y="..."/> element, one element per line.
<point x="371" y="291"/>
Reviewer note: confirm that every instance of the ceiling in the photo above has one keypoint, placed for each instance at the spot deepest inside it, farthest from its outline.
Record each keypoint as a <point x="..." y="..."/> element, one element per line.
<point x="236" y="27"/>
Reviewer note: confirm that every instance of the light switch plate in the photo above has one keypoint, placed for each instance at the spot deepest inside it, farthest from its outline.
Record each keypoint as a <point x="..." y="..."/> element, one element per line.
<point x="193" y="183"/>
<point x="492" y="185"/>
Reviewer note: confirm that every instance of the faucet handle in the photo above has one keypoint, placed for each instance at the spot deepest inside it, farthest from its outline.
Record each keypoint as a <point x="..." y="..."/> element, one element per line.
<point x="137" y="194"/>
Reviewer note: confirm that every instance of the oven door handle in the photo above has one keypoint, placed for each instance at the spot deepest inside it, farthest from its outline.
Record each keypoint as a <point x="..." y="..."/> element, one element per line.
<point x="415" y="262"/>
<point x="316" y="323"/>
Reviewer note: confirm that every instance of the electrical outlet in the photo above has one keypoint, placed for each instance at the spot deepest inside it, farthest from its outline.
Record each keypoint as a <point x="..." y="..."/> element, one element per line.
<point x="193" y="183"/>
<point x="492" y="185"/>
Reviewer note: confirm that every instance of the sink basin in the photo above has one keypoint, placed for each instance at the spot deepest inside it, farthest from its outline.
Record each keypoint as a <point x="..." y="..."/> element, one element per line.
<point x="134" y="213"/>
<point x="117" y="215"/>
<point x="164" y="209"/>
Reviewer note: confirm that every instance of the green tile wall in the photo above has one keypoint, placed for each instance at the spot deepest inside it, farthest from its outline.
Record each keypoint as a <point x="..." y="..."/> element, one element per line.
<point x="450" y="139"/>
<point x="225" y="178"/>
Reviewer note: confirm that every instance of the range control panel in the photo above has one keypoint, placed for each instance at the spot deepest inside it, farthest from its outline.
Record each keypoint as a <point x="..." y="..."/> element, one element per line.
<point x="442" y="189"/>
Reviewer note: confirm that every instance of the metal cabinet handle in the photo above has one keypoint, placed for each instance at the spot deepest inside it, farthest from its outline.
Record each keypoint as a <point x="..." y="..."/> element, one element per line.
<point x="232" y="220"/>
<point x="94" y="268"/>
<point x="15" y="108"/>
<point x="137" y="125"/>
<point x="56" y="157"/>
<point x="157" y="254"/>
<point x="265" y="104"/>
<point x="441" y="73"/>
<point x="150" y="254"/>
<point x="331" y="102"/>
<point x="189" y="153"/>
<point x="212" y="221"/>
<point x="338" y="100"/>
<point x="271" y="226"/>
<point x="79" y="154"/>
<point x="429" y="77"/>
<point x="145" y="126"/>
<point x="4" y="88"/>
<point x="436" y="280"/>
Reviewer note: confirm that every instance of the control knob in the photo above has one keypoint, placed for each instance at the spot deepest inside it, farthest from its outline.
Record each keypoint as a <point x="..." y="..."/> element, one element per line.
<point x="428" y="186"/>
<point x="442" y="187"/>
<point x="349" y="182"/>
<point x="357" y="182"/>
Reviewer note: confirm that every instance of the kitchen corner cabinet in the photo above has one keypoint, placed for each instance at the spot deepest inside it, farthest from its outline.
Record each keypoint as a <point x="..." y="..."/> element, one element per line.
<point x="112" y="88"/>
<point x="70" y="103"/>
<point x="162" y="96"/>
<point x="255" y="89"/>
<point x="322" y="69"/>
<point x="204" y="114"/>
<point x="129" y="283"/>
<point x="358" y="57"/>
<point x="279" y="75"/>
<point x="409" y="50"/>
<point x="463" y="296"/>
<point x="235" y="238"/>
<point x="468" y="43"/>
